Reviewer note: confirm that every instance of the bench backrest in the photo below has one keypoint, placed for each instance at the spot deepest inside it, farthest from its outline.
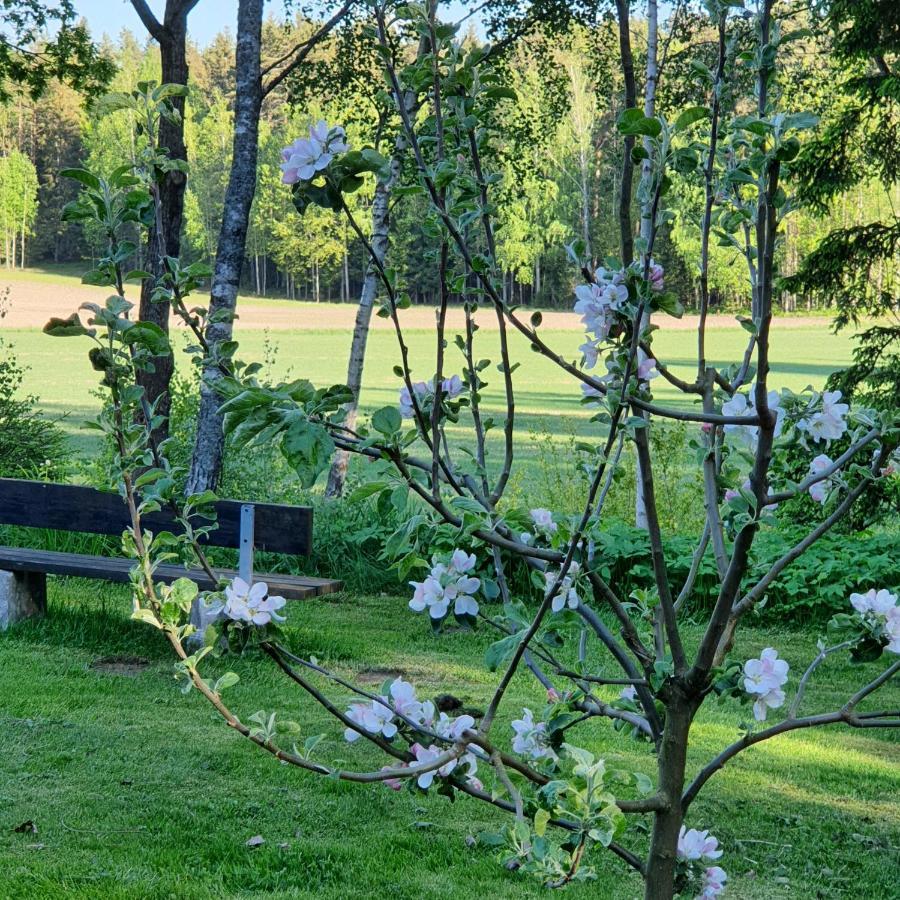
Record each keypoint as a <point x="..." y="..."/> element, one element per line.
<point x="65" y="507"/>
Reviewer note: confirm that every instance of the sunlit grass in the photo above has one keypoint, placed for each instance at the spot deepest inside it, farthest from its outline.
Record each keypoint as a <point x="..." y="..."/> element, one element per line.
<point x="138" y="791"/>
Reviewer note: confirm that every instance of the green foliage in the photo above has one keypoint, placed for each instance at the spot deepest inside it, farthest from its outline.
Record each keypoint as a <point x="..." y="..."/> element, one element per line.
<point x="856" y="265"/>
<point x="30" y="445"/>
<point x="31" y="59"/>
<point x="811" y="589"/>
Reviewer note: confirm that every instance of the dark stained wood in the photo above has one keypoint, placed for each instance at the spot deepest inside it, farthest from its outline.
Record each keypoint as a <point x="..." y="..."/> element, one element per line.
<point x="67" y="507"/>
<point x="20" y="559"/>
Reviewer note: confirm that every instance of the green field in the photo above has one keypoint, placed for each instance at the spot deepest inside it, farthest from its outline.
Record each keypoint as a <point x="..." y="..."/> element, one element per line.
<point x="60" y="375"/>
<point x="139" y="792"/>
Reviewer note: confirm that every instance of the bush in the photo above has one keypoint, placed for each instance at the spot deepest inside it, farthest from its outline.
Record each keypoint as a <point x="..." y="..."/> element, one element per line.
<point x="30" y="445"/>
<point x="811" y="589"/>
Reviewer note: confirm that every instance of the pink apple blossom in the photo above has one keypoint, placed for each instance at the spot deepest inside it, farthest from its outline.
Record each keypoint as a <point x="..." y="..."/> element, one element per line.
<point x="713" y="886"/>
<point x="694" y="844"/>
<point x="306" y="157"/>
<point x="764" y="679"/>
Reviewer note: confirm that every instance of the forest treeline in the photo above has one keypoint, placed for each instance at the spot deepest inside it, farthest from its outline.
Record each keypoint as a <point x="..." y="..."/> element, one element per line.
<point x="557" y="150"/>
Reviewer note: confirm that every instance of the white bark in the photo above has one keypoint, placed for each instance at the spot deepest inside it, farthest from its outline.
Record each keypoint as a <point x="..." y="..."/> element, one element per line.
<point x="652" y="75"/>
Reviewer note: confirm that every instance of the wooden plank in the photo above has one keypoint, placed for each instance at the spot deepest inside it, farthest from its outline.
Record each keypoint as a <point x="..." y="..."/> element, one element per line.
<point x="21" y="559"/>
<point x="66" y="507"/>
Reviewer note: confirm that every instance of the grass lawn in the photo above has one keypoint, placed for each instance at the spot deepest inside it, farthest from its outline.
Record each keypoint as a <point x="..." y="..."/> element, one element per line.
<point x="139" y="792"/>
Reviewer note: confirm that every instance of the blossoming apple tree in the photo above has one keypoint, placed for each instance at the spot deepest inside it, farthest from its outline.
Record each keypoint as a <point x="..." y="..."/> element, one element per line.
<point x="593" y="653"/>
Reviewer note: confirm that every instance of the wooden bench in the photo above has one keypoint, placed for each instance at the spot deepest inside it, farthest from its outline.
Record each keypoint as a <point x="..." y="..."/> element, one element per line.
<point x="246" y="527"/>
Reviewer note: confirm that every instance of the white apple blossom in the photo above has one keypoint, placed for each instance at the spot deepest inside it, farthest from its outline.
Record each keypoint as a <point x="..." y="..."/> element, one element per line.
<point x="530" y="737"/>
<point x="590" y="350"/>
<point x="448" y="584"/>
<point x="820" y="490"/>
<point x="452" y="387"/>
<point x="592" y="396"/>
<point x="543" y="520"/>
<point x="244" y="603"/>
<point x="374" y="717"/>
<point x="423" y="391"/>
<point x="829" y="423"/>
<point x="420" y="390"/>
<point x="876" y="603"/>
<point x="892" y="629"/>
<point x="656" y="276"/>
<point x="745" y="405"/>
<point x="453" y="729"/>
<point x="764" y="679"/>
<point x="306" y="157"/>
<point x="646" y="366"/>
<point x="880" y="612"/>
<point x="629" y="692"/>
<point x="377" y="716"/>
<point x="694" y="844"/>
<point x="566" y="593"/>
<point x="713" y="886"/>
<point x="425" y="755"/>
<point x="403" y="699"/>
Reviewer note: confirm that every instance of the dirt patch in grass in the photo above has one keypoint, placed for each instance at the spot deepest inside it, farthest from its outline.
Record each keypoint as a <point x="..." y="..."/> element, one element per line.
<point x="120" y="665"/>
<point x="379" y="674"/>
<point x="33" y="303"/>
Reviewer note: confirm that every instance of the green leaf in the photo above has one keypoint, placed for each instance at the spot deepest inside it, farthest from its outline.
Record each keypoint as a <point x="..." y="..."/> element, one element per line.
<point x="146" y="615"/>
<point x="541" y="820"/>
<point x="634" y="122"/>
<point x="690" y="115"/>
<point x="88" y="179"/>
<point x="500" y="651"/>
<point x="367" y="490"/>
<point x="387" y="420"/>
<point x="311" y="743"/>
<point x="70" y="327"/>
<point x="149" y="336"/>
<point x="308" y="448"/>
<point x="229" y="679"/>
<point x="183" y="591"/>
<point x="800" y="121"/>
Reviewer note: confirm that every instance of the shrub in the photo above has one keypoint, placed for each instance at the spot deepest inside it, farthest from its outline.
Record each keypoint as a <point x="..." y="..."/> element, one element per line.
<point x="814" y="588"/>
<point x="30" y="445"/>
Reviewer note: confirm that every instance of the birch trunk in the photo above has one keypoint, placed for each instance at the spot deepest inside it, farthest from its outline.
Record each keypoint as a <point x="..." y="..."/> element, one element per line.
<point x="380" y="231"/>
<point x="640" y="507"/>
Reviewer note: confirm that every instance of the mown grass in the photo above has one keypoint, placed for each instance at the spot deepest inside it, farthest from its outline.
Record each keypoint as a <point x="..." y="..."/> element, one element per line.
<point x="138" y="791"/>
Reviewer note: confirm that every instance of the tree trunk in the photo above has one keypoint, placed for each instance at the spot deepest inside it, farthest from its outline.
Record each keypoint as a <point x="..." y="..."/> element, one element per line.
<point x="172" y="39"/>
<point x="640" y="507"/>
<point x="380" y="231"/>
<point x="660" y="879"/>
<point x="206" y="462"/>
<point x="626" y="238"/>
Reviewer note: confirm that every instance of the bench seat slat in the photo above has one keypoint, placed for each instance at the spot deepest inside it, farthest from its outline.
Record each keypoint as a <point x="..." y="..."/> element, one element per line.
<point x="21" y="559"/>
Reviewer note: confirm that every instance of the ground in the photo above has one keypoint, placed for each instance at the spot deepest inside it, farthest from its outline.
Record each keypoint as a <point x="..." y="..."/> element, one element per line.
<point x="136" y="790"/>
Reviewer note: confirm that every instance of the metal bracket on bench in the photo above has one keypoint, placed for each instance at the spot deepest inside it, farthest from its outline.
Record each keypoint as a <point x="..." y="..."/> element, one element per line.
<point x="245" y="560"/>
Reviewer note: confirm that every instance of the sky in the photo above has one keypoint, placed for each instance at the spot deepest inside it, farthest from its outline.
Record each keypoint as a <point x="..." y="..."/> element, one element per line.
<point x="209" y="17"/>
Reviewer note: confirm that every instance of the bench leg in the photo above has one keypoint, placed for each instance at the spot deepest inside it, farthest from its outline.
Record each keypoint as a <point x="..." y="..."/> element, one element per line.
<point x="22" y="595"/>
